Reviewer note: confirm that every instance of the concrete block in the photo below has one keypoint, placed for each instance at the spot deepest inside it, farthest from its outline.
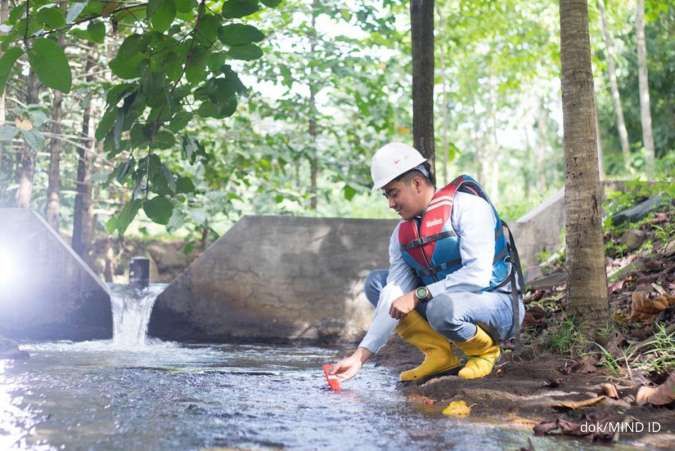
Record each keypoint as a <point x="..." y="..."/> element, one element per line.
<point x="46" y="291"/>
<point x="277" y="278"/>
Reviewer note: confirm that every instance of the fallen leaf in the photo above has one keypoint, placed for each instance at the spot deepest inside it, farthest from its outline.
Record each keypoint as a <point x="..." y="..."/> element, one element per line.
<point x="586" y="365"/>
<point x="643" y="306"/>
<point x="23" y="124"/>
<point x="457" y="409"/>
<point x="610" y="391"/>
<point x="574" y="405"/>
<point x="658" y="396"/>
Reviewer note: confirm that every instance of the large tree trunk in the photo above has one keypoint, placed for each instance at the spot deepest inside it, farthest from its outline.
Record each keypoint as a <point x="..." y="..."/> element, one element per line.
<point x="55" y="147"/>
<point x="611" y="72"/>
<point x="422" y="36"/>
<point x="645" y="111"/>
<point x="82" y="219"/>
<point x="27" y="156"/>
<point x="445" y="109"/>
<point x="587" y="277"/>
<point x="312" y="129"/>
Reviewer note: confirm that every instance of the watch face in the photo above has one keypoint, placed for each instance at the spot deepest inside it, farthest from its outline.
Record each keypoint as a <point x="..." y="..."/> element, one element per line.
<point x="421" y="293"/>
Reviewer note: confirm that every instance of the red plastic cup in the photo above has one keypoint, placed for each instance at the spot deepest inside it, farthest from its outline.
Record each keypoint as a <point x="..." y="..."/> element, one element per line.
<point x="331" y="379"/>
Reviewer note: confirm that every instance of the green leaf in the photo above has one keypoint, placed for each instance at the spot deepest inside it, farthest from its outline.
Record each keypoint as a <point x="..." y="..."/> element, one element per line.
<point x="185" y="6"/>
<point x="233" y="9"/>
<point x="127" y="62"/>
<point x="164" y="139"/>
<point x="348" y="192"/>
<point x="239" y="34"/>
<point x="185" y="185"/>
<point x="49" y="62"/>
<point x="272" y="3"/>
<point x="52" y="17"/>
<point x="159" y="209"/>
<point x="180" y="121"/>
<point x="161" y="13"/>
<point x="195" y="71"/>
<point x="121" y="220"/>
<point x="106" y="123"/>
<point x="96" y="30"/>
<point x="6" y="63"/>
<point x="207" y="32"/>
<point x="247" y="52"/>
<point x="122" y="170"/>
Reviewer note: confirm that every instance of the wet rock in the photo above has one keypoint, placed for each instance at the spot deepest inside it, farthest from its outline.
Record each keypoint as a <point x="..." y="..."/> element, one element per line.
<point x="633" y="239"/>
<point x="637" y="212"/>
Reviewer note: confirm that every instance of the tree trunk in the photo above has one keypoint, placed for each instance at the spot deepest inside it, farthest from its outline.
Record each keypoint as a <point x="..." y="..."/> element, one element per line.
<point x="4" y="14"/>
<point x="645" y="111"/>
<point x="587" y="277"/>
<point x="312" y="128"/>
<point x="598" y="142"/>
<point x="616" y="98"/>
<point x="445" y="109"/>
<point x="27" y="156"/>
<point x="422" y="36"/>
<point x="82" y="219"/>
<point x="54" y="184"/>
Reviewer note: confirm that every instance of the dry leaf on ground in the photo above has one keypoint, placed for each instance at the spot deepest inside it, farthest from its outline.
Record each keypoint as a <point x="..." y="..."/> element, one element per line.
<point x="658" y="396"/>
<point x="643" y="306"/>
<point x="574" y="405"/>
<point x="610" y="391"/>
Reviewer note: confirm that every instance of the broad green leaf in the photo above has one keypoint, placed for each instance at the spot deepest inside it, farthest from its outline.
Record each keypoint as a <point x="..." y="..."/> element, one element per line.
<point x="123" y="169"/>
<point x="74" y="11"/>
<point x="164" y="139"/>
<point x="52" y="17"/>
<point x="233" y="9"/>
<point x="247" y="52"/>
<point x="106" y="123"/>
<point x="239" y="34"/>
<point x="161" y="13"/>
<point x="185" y="185"/>
<point x="272" y="3"/>
<point x="185" y="6"/>
<point x="180" y="121"/>
<point x="96" y="30"/>
<point x="49" y="62"/>
<point x="34" y="138"/>
<point x="159" y="209"/>
<point x="127" y="62"/>
<point x="196" y="65"/>
<point x="207" y="32"/>
<point x="121" y="220"/>
<point x="6" y="63"/>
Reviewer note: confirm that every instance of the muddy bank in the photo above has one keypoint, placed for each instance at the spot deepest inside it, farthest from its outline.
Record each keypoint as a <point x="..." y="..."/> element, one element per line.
<point x="539" y="392"/>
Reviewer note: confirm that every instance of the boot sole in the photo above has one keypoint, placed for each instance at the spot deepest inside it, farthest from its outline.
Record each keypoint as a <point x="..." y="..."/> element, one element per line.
<point x="449" y="372"/>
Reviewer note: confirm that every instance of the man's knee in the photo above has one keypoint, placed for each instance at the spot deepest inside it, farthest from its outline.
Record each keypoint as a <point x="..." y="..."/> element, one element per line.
<point x="442" y="314"/>
<point x="375" y="281"/>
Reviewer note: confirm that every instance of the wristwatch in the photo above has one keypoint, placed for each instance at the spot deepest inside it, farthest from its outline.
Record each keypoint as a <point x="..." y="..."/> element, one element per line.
<point x="422" y="294"/>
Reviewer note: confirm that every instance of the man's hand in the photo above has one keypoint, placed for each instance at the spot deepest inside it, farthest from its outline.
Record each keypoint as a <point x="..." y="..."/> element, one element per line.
<point x="347" y="368"/>
<point x="403" y="305"/>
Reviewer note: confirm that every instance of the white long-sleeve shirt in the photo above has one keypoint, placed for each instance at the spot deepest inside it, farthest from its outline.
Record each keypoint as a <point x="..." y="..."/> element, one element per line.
<point x="474" y="222"/>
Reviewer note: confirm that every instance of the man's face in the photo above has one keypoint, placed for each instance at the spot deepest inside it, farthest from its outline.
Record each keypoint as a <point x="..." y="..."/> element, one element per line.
<point x="404" y="197"/>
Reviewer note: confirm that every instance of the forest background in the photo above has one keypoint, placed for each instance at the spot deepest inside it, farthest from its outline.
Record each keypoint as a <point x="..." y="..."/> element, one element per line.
<point x="172" y="119"/>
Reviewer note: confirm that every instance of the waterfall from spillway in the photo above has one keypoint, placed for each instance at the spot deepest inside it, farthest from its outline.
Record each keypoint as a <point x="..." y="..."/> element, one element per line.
<point x="131" y="309"/>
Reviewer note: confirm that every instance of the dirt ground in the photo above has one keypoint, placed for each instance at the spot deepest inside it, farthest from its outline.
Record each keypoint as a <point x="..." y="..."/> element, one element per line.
<point x="528" y="393"/>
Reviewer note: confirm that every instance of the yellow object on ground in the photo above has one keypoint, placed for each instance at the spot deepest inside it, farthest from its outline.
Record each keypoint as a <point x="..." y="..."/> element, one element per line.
<point x="483" y="353"/>
<point x="438" y="355"/>
<point x="457" y="409"/>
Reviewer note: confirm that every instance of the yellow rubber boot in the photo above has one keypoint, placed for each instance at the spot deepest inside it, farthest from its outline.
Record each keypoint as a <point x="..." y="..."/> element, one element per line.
<point x="482" y="352"/>
<point x="437" y="350"/>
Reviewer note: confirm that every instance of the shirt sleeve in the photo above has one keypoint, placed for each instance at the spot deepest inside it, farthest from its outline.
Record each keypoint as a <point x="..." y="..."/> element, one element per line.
<point x="400" y="280"/>
<point x="474" y="221"/>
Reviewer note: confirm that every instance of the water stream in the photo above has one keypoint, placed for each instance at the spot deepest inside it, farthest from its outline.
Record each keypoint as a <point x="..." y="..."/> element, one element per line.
<point x="153" y="395"/>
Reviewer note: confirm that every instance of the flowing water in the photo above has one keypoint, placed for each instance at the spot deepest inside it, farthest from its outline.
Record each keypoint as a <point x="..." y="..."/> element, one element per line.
<point x="134" y="393"/>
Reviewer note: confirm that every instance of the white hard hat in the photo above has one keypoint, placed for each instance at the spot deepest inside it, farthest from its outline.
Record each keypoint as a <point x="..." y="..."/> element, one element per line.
<point x="392" y="160"/>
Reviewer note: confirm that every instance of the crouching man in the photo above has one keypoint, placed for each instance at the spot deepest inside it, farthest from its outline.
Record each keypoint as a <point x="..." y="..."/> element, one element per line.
<point x="453" y="277"/>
